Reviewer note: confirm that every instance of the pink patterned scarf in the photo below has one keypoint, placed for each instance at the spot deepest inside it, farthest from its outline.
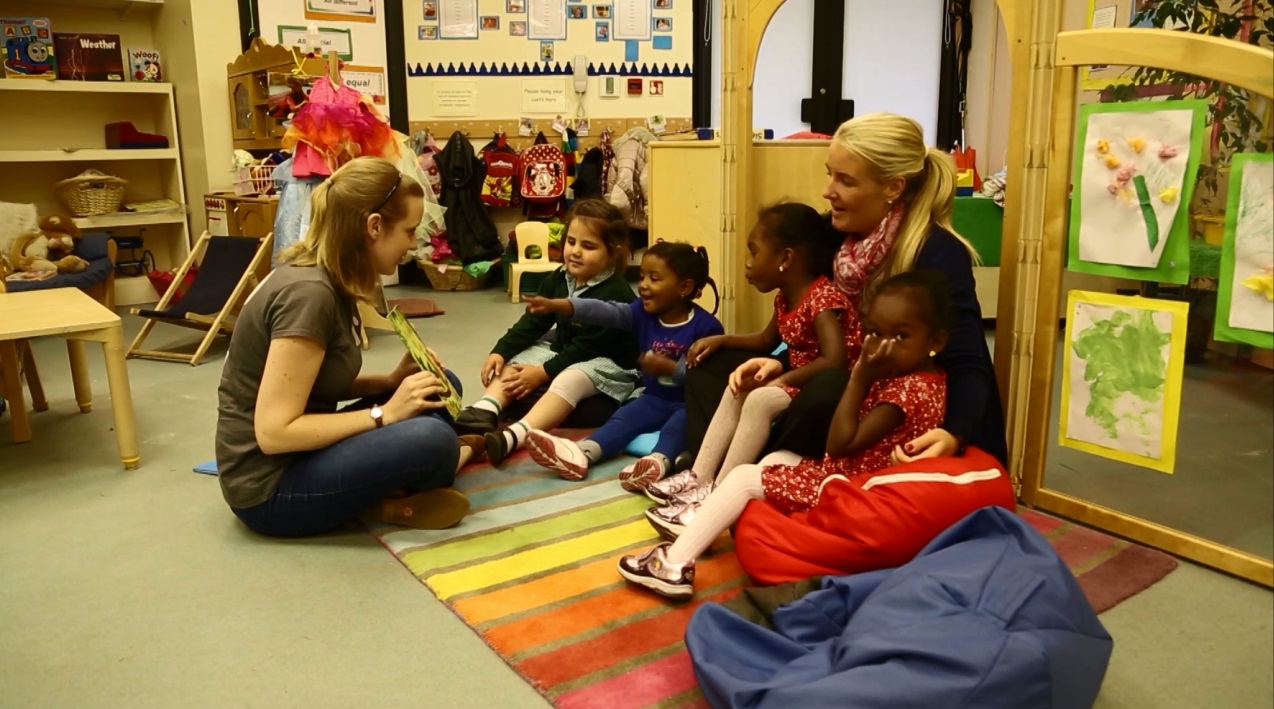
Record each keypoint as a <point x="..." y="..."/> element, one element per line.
<point x="858" y="258"/>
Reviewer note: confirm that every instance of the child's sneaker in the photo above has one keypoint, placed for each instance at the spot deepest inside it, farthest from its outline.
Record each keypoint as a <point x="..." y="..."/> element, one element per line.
<point x="560" y="455"/>
<point x="671" y="520"/>
<point x="641" y="474"/>
<point x="652" y="570"/>
<point x="665" y="490"/>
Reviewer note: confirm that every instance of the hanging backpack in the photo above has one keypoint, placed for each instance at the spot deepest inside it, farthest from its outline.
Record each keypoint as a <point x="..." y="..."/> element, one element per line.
<point x="542" y="177"/>
<point x="427" y="150"/>
<point x="502" y="172"/>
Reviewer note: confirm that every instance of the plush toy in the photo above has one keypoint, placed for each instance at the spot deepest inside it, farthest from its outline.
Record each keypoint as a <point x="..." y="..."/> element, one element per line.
<point x="50" y="248"/>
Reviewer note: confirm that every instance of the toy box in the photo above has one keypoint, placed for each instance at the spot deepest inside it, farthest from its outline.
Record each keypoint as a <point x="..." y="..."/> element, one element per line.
<point x="28" y="48"/>
<point x="89" y="57"/>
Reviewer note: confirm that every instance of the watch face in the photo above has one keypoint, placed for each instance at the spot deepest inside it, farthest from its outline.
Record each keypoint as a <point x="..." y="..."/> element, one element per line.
<point x="377" y="412"/>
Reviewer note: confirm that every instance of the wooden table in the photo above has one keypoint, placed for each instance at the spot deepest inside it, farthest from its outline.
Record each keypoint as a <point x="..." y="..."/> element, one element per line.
<point x="69" y="313"/>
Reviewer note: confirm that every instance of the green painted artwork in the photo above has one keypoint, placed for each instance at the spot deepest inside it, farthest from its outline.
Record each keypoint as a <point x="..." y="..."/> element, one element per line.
<point x="1123" y="359"/>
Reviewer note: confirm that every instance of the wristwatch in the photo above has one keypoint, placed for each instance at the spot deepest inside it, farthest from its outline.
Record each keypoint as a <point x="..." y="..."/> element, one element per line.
<point x="378" y="415"/>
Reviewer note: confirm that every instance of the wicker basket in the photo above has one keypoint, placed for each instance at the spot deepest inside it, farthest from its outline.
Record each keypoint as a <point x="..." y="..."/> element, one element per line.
<point x="455" y="277"/>
<point x="254" y="180"/>
<point x="91" y="193"/>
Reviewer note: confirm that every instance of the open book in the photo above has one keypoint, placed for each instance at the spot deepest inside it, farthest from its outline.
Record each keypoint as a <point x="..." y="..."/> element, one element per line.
<point x="424" y="360"/>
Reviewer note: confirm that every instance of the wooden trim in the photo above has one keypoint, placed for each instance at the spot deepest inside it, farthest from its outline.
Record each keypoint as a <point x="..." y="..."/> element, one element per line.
<point x="1243" y="65"/>
<point x="1217" y="556"/>
<point x="156" y="354"/>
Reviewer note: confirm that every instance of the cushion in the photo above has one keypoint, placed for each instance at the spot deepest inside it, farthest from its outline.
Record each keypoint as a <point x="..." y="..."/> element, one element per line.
<point x="869" y="522"/>
<point x="97" y="271"/>
<point x="93" y="245"/>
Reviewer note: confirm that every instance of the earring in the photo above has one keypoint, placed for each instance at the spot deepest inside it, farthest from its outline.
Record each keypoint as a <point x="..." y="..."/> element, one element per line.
<point x="782" y="269"/>
<point x="933" y="353"/>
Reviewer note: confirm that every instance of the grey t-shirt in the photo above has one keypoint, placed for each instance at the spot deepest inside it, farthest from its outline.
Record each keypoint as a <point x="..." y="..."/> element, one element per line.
<point x="293" y="301"/>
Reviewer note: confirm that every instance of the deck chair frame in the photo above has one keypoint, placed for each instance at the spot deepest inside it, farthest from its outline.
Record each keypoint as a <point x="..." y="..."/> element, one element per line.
<point x="222" y="322"/>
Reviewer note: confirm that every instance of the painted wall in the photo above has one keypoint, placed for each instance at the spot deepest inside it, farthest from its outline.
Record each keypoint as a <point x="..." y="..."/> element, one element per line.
<point x="907" y="83"/>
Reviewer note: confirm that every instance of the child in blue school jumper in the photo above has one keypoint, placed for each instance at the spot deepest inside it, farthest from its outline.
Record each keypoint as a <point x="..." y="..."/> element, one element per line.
<point x="667" y="322"/>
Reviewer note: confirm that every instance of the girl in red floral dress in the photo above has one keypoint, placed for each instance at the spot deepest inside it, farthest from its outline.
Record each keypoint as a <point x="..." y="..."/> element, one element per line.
<point x="789" y="250"/>
<point x="895" y="393"/>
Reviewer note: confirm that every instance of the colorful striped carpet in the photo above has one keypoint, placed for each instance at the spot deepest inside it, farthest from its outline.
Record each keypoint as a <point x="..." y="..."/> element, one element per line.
<point x="532" y="570"/>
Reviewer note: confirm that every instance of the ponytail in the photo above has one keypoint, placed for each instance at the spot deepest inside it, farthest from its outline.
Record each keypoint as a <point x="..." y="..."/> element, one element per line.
<point x="716" y="294"/>
<point x="687" y="263"/>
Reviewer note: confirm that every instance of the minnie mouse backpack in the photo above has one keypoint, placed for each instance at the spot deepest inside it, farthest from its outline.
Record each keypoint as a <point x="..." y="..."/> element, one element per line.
<point x="543" y="178"/>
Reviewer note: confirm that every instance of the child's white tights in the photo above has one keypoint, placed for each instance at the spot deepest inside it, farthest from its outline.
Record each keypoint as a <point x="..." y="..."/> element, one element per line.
<point x="739" y="430"/>
<point x="724" y="506"/>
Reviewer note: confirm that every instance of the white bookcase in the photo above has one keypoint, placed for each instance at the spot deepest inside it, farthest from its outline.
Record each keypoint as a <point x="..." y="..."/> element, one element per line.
<point x="52" y="130"/>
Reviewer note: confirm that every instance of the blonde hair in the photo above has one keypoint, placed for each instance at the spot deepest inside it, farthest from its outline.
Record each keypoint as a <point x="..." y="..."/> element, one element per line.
<point x="339" y="208"/>
<point x="894" y="146"/>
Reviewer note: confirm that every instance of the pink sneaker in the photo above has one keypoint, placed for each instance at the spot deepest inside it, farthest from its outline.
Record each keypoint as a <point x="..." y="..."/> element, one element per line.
<point x="560" y="455"/>
<point x="665" y="490"/>
<point x="642" y="473"/>
<point x="671" y="520"/>
<point x="694" y="496"/>
<point x="652" y="570"/>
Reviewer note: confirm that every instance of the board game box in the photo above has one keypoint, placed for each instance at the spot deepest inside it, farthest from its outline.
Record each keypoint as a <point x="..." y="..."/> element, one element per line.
<point x="89" y="57"/>
<point x="28" y="48"/>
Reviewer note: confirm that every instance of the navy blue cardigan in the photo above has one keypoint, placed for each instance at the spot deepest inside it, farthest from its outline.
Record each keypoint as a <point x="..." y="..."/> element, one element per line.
<point x="974" y="411"/>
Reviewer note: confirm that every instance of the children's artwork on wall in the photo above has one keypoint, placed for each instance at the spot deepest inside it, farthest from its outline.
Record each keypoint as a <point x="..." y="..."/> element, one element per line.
<point x="601" y="12"/>
<point x="431" y="9"/>
<point x="577" y="12"/>
<point x="663" y="4"/>
<point x="663" y="24"/>
<point x="1245" y="294"/>
<point x="517" y="28"/>
<point x="1135" y="168"/>
<point x="603" y="31"/>
<point x="427" y="31"/>
<point x="515" y="7"/>
<point x="1121" y="377"/>
<point x="490" y="22"/>
<point x="459" y="19"/>
<point x="547" y="19"/>
<point x="546" y="51"/>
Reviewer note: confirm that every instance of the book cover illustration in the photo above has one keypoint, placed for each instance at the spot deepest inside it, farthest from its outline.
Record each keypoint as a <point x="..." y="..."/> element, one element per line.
<point x="145" y="65"/>
<point x="83" y="56"/>
<point x="425" y="359"/>
<point x="28" y="48"/>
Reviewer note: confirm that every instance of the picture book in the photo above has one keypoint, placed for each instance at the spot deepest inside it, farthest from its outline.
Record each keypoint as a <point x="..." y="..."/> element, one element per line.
<point x="28" y="48"/>
<point x="145" y="65"/>
<point x="89" y="57"/>
<point x="425" y="359"/>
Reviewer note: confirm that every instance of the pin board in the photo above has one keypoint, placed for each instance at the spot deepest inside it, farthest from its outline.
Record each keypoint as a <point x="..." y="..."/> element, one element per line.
<point x="467" y="60"/>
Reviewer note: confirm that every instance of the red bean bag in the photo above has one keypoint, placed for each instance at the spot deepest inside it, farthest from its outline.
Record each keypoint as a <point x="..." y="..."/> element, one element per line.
<point x="869" y="522"/>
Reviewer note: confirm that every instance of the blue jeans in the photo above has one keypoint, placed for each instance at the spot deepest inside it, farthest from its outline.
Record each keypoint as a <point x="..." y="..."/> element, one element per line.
<point x="644" y="414"/>
<point x="323" y="489"/>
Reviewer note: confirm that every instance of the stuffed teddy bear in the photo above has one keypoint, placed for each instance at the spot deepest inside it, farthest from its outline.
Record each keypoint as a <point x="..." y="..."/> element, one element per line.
<point x="50" y="248"/>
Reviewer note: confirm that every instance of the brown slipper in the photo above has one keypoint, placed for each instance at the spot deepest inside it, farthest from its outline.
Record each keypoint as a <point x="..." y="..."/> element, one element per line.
<point x="476" y="443"/>
<point x="431" y="509"/>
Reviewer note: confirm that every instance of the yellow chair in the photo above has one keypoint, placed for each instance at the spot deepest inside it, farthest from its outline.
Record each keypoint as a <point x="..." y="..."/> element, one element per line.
<point x="529" y="234"/>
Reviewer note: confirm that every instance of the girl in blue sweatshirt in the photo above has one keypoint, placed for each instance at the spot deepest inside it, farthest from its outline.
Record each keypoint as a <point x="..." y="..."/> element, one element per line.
<point x="667" y="322"/>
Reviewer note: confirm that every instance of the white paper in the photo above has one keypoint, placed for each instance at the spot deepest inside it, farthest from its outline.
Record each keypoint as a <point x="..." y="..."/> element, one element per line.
<point x="367" y="80"/>
<point x="544" y="96"/>
<point x="332" y="40"/>
<point x="454" y="98"/>
<point x="1104" y="17"/>
<point x="546" y="19"/>
<point x="350" y="8"/>
<point x="1113" y="229"/>
<point x="1253" y="247"/>
<point x="1137" y="421"/>
<point x="458" y="19"/>
<point x="631" y="20"/>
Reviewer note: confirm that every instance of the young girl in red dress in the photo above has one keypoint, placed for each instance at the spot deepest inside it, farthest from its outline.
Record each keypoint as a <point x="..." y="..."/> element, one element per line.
<point x="789" y="250"/>
<point x="895" y="393"/>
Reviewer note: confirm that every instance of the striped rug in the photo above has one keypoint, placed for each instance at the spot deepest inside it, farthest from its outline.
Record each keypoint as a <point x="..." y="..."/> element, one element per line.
<point x="532" y="570"/>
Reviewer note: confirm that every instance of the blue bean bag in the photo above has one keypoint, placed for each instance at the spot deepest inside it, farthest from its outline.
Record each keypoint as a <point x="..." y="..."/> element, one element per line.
<point x="987" y="615"/>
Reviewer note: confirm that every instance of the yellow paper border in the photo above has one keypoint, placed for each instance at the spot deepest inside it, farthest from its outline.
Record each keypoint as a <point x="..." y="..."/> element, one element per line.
<point x="1172" y="387"/>
<point x="1086" y="81"/>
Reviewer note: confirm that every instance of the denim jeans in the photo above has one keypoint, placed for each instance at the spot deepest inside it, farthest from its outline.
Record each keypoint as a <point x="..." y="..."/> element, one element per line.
<point x="323" y="489"/>
<point x="644" y="414"/>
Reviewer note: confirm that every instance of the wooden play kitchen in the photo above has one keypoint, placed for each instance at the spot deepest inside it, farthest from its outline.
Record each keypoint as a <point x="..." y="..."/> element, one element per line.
<point x="74" y="316"/>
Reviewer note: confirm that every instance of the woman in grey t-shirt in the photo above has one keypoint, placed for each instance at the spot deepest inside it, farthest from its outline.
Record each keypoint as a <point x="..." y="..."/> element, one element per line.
<point x="289" y="462"/>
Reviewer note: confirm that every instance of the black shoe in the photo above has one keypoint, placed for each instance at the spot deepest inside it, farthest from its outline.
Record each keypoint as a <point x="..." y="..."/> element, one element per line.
<point x="497" y="447"/>
<point x="475" y="421"/>
<point x="683" y="462"/>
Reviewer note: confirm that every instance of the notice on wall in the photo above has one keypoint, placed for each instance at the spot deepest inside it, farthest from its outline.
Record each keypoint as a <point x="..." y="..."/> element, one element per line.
<point x="341" y="10"/>
<point x="458" y="19"/>
<point x="544" y="96"/>
<point x="454" y="98"/>
<point x="547" y="19"/>
<point x="369" y="80"/>
<point x="632" y="20"/>
<point x="332" y="40"/>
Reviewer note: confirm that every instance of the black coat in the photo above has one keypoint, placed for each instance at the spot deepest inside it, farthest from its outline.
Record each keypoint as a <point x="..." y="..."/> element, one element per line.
<point x="470" y="230"/>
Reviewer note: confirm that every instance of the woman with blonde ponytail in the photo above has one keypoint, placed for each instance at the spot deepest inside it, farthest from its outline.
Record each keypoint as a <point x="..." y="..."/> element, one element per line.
<point x="291" y="464"/>
<point x="891" y="198"/>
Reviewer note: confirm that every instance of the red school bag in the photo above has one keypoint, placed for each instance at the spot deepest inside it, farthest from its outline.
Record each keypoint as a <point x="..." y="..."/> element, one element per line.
<point x="502" y="172"/>
<point x="542" y="178"/>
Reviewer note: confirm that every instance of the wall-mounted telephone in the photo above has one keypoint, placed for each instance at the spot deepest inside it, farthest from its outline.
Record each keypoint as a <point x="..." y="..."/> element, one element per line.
<point x="580" y="67"/>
